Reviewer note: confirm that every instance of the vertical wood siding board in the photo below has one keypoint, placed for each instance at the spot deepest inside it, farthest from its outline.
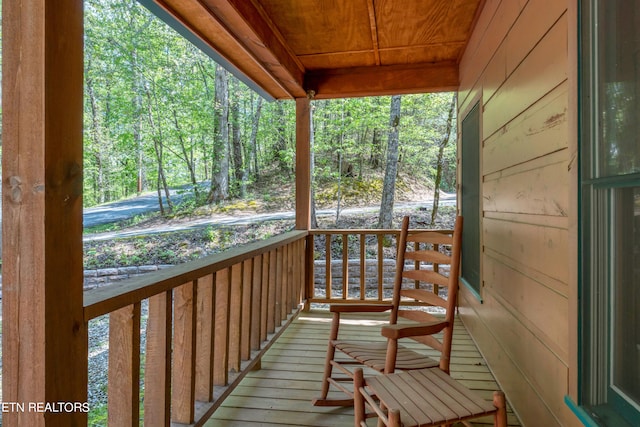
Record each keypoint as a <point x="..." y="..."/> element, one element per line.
<point x="328" y="272"/>
<point x="247" y="311"/>
<point x="256" y="302"/>
<point x="264" y="299"/>
<point x="524" y="399"/>
<point x="271" y="303"/>
<point x="221" y="335"/>
<point x="124" y="366"/>
<point x="183" y="380"/>
<point x="204" y="341"/>
<point x="539" y="73"/>
<point x="235" y="316"/>
<point x="541" y="130"/>
<point x="157" y="392"/>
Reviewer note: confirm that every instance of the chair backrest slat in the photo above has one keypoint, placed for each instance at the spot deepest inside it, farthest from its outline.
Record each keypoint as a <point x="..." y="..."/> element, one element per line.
<point x="428" y="255"/>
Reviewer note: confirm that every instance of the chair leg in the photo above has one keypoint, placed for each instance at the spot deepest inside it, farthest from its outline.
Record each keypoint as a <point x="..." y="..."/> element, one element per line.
<point x="500" y="418"/>
<point x="328" y="370"/>
<point x="358" y="398"/>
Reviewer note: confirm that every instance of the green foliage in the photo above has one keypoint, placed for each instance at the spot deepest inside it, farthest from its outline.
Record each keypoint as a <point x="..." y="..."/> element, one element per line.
<point x="147" y="88"/>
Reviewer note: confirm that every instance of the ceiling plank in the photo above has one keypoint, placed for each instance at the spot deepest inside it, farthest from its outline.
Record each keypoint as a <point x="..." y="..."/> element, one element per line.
<point x="383" y="80"/>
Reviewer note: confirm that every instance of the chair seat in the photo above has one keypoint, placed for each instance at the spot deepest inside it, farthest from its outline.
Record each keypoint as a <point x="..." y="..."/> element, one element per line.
<point x="374" y="355"/>
<point x="428" y="397"/>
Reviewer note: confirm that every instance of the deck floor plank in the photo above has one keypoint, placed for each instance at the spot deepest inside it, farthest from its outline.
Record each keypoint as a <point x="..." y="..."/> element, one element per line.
<point x="280" y="393"/>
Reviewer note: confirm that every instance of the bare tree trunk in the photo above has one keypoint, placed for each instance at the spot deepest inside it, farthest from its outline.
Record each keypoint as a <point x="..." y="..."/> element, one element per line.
<point x="391" y="170"/>
<point x="158" y="148"/>
<point x="188" y="156"/>
<point x="442" y="146"/>
<point x="220" y="165"/>
<point x="253" y="160"/>
<point x="236" y="143"/>
<point x="98" y="142"/>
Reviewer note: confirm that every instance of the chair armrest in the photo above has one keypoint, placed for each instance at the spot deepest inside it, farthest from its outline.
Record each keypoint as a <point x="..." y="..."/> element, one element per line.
<point x="403" y="331"/>
<point x="359" y="308"/>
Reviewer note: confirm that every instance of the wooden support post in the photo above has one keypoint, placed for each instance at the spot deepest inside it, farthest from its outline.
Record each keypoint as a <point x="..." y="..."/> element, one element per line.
<point x="44" y="340"/>
<point x="303" y="164"/>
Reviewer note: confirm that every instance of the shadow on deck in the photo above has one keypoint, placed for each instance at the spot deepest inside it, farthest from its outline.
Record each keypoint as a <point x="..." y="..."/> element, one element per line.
<point x="280" y="393"/>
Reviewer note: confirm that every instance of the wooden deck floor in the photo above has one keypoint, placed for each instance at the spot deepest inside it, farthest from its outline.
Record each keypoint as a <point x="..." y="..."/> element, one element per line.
<point x="280" y="394"/>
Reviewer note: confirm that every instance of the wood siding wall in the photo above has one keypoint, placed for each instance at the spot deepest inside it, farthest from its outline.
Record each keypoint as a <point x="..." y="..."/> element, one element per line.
<point x="519" y="68"/>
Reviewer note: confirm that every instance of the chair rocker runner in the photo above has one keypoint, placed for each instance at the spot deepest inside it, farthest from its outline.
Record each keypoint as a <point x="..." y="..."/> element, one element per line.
<point x="414" y="285"/>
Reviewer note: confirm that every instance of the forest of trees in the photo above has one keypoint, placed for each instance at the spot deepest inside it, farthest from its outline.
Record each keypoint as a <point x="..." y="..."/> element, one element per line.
<point x="160" y="113"/>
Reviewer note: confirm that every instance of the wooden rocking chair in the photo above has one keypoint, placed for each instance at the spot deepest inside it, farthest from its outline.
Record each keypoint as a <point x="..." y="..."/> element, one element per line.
<point x="435" y="250"/>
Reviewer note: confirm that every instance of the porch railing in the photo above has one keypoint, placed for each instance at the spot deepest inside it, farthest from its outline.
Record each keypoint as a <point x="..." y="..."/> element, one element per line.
<point x="208" y="321"/>
<point x="349" y="253"/>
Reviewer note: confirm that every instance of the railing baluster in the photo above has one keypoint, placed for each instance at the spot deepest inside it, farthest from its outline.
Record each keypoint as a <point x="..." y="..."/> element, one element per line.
<point x="157" y="373"/>
<point x="345" y="266"/>
<point x="279" y="281"/>
<point x="247" y="300"/>
<point x="184" y="350"/>
<point x="235" y="317"/>
<point x="329" y="284"/>
<point x="380" y="266"/>
<point x="256" y="304"/>
<point x="272" y="306"/>
<point x="264" y="311"/>
<point x="221" y="328"/>
<point x="204" y="339"/>
<point x="363" y="266"/>
<point x="310" y="275"/>
<point x="124" y="366"/>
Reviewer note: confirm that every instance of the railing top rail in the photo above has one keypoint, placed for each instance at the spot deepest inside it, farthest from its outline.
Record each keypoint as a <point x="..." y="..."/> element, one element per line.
<point x="372" y="231"/>
<point x="106" y="299"/>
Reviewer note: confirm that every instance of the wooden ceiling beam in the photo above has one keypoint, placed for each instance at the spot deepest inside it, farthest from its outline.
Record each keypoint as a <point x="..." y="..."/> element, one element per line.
<point x="255" y="32"/>
<point x="383" y="80"/>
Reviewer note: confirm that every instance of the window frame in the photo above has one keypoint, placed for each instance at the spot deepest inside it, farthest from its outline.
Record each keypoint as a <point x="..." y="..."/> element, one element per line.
<point x="471" y="209"/>
<point x="597" y="397"/>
